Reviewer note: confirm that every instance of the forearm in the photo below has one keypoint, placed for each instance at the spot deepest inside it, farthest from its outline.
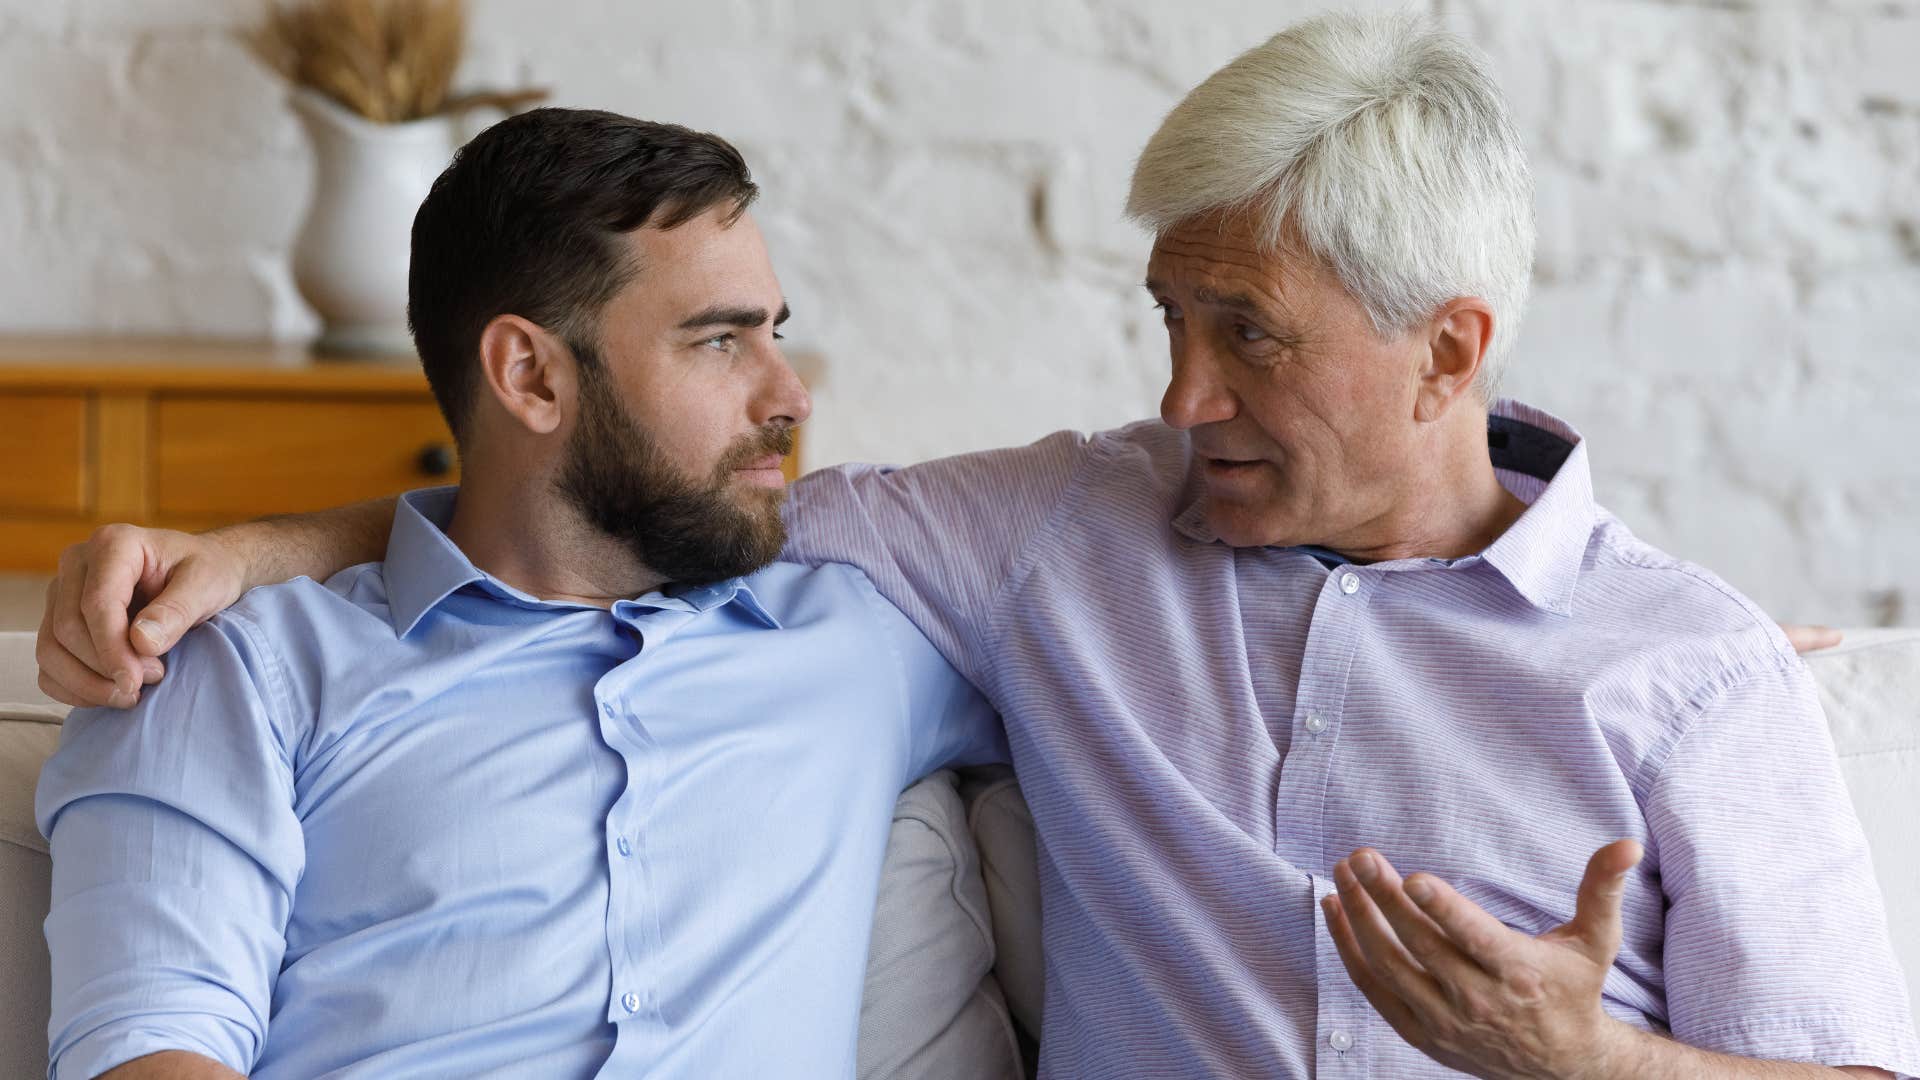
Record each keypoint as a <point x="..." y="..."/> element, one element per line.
<point x="315" y="545"/>
<point x="1645" y="1056"/>
<point x="171" y="1065"/>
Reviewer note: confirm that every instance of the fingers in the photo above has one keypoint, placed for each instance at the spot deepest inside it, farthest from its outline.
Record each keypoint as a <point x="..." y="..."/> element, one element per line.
<point x="105" y="573"/>
<point x="1423" y="938"/>
<point x="1596" y="915"/>
<point x="1481" y="938"/>
<point x="63" y="650"/>
<point x="64" y="678"/>
<point x="1391" y="1009"/>
<point x="200" y="586"/>
<point x="1808" y="638"/>
<point x="1381" y="949"/>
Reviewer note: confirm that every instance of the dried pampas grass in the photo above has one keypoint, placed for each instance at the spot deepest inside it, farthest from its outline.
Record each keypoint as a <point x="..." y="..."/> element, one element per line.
<point x="389" y="61"/>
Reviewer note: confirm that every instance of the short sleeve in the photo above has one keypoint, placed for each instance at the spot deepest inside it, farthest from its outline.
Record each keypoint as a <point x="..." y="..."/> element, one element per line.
<point x="176" y="853"/>
<point x="940" y="539"/>
<point x="1776" y="943"/>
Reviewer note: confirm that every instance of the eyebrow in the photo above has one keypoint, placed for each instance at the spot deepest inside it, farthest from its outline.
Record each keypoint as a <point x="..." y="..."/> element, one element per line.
<point x="1235" y="301"/>
<point x="743" y="317"/>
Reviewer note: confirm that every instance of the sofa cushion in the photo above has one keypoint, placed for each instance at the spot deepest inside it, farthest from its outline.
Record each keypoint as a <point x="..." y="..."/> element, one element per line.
<point x="1870" y="688"/>
<point x="29" y="732"/>
<point x="931" y="1009"/>
<point x="1003" y="827"/>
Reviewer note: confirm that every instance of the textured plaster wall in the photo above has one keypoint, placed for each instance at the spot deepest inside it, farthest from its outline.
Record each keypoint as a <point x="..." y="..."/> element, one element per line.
<point x="1727" y="298"/>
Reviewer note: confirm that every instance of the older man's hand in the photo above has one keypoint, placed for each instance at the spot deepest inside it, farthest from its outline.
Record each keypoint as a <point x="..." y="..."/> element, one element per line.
<point x="122" y="599"/>
<point x="1806" y="639"/>
<point x="1472" y="993"/>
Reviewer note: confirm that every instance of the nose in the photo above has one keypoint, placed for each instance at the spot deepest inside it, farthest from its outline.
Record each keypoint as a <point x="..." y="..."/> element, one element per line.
<point x="1196" y="394"/>
<point x="783" y="397"/>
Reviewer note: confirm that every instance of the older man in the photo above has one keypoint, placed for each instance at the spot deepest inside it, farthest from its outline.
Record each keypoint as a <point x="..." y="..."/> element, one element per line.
<point x="1335" y="599"/>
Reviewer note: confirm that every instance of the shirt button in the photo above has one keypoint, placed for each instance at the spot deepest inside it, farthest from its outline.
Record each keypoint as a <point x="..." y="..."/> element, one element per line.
<point x="624" y="847"/>
<point x="606" y="711"/>
<point x="1349" y="583"/>
<point x="630" y="1001"/>
<point x="1340" y="1040"/>
<point x="1316" y="723"/>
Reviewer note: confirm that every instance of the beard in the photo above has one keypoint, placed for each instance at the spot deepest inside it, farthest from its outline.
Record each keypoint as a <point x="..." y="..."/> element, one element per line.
<point x="689" y="530"/>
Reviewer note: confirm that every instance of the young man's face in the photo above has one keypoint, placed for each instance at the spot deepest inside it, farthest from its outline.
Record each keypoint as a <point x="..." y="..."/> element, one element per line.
<point x="688" y="410"/>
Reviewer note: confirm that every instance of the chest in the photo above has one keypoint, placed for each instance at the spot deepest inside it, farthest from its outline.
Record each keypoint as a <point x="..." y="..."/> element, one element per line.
<point x="1262" y="699"/>
<point x="509" y="784"/>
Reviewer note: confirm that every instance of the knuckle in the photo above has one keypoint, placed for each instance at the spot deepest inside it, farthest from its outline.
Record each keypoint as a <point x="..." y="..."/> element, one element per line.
<point x="97" y="603"/>
<point x="111" y="535"/>
<point x="70" y="634"/>
<point x="58" y="692"/>
<point x="1389" y="969"/>
<point x="1527" y="983"/>
<point x="1478" y="1009"/>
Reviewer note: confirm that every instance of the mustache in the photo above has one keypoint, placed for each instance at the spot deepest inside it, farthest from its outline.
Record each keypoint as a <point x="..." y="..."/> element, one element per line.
<point x="772" y="439"/>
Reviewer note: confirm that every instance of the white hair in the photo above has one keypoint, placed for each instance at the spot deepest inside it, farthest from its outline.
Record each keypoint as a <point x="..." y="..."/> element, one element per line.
<point x="1384" y="144"/>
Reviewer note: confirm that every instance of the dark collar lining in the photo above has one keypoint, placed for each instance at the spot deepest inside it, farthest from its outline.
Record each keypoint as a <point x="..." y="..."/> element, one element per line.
<point x="1517" y="446"/>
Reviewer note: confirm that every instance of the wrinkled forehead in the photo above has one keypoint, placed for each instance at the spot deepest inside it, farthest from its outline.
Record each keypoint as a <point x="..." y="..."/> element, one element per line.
<point x="1229" y="254"/>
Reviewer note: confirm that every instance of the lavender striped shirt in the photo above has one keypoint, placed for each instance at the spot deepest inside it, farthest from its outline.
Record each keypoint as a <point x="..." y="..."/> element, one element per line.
<point x="1202" y="730"/>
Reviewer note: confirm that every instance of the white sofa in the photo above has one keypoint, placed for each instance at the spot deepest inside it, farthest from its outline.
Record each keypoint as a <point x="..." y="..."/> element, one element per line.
<point x="953" y="978"/>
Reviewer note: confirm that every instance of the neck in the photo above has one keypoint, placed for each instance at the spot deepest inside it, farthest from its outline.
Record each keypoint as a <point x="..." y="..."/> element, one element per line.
<point x="525" y="533"/>
<point x="1451" y="504"/>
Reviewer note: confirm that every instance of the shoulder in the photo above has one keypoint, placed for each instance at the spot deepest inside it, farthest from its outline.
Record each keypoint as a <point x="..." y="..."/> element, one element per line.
<point x="1143" y="460"/>
<point x="299" y="634"/>
<point x="797" y="594"/>
<point x="1679" y="604"/>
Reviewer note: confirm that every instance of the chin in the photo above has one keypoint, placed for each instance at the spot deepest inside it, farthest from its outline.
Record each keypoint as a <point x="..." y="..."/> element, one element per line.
<point x="1237" y="526"/>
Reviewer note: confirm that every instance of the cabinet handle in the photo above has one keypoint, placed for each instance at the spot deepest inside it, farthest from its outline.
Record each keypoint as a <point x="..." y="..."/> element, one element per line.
<point x="436" y="459"/>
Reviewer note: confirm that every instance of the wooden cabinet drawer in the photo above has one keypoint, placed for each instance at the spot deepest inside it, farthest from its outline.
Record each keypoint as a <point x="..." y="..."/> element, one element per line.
<point x="239" y="457"/>
<point x="43" y="453"/>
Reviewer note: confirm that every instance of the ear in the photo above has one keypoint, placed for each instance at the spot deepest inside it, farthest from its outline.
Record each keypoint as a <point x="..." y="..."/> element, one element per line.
<point x="527" y="371"/>
<point x="1457" y="340"/>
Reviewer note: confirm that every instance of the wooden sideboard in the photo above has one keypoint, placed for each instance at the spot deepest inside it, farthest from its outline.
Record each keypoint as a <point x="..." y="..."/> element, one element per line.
<point x="191" y="435"/>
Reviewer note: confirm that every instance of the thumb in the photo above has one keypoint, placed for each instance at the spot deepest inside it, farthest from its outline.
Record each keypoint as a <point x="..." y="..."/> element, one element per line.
<point x="195" y="593"/>
<point x="1596" y="916"/>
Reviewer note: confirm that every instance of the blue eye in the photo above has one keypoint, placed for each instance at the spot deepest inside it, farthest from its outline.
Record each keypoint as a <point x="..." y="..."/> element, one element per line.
<point x="720" y="342"/>
<point x="1249" y="333"/>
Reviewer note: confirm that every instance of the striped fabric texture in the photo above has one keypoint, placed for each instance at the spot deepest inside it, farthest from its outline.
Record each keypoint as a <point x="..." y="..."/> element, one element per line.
<point x="1203" y="730"/>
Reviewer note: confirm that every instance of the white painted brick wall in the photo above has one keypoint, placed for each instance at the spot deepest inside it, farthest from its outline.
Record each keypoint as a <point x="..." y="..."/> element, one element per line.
<point x="1728" y="295"/>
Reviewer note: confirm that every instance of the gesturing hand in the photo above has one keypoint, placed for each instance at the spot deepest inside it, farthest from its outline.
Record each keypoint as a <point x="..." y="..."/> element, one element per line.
<point x="1470" y="992"/>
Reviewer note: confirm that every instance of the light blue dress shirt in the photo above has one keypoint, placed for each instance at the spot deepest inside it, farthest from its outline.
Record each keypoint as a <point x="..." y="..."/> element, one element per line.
<point x="415" y="822"/>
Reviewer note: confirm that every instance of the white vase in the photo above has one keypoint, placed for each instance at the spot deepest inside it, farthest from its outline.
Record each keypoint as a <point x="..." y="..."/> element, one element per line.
<point x="350" y="261"/>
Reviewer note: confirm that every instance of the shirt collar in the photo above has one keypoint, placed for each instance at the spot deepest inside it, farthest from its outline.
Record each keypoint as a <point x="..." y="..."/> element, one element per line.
<point x="424" y="567"/>
<point x="1542" y="460"/>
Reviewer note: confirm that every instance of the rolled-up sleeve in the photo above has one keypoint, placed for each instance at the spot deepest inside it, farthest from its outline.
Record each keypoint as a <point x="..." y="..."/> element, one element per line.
<point x="1776" y="936"/>
<point x="176" y="853"/>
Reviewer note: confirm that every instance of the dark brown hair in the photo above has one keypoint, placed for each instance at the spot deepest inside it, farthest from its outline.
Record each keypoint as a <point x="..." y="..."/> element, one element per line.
<point x="527" y="221"/>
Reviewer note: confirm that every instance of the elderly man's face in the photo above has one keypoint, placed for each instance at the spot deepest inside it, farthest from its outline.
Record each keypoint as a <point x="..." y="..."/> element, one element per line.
<point x="1301" y="416"/>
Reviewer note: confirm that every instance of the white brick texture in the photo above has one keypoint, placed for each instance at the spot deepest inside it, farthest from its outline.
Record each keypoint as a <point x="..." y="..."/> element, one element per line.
<point x="1727" y="296"/>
